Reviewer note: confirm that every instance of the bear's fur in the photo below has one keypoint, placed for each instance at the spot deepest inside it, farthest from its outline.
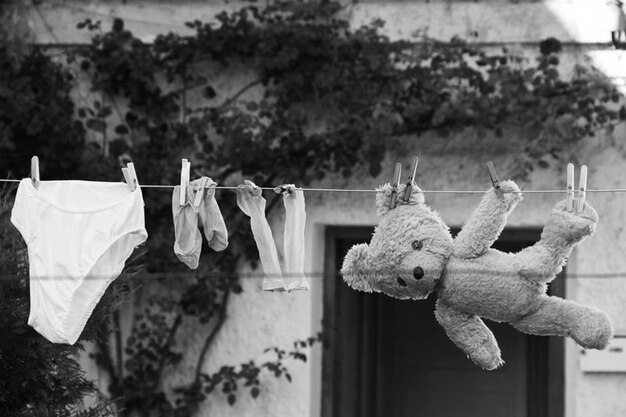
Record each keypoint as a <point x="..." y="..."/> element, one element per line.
<point x="412" y="254"/>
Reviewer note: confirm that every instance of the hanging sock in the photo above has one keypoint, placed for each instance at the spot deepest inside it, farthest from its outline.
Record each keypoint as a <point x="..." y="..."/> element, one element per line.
<point x="200" y="202"/>
<point x="295" y="221"/>
<point x="188" y="240"/>
<point x="210" y="215"/>
<point x="251" y="202"/>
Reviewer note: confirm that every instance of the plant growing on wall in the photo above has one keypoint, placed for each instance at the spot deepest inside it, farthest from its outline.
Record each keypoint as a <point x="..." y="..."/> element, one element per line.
<point x="39" y="378"/>
<point x="330" y="98"/>
<point x="316" y="98"/>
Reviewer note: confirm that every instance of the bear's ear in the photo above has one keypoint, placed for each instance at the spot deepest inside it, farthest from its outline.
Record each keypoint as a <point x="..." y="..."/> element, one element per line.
<point x="355" y="269"/>
<point x="383" y="197"/>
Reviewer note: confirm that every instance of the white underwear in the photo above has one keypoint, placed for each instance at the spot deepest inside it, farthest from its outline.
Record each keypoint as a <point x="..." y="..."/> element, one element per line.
<point x="79" y="234"/>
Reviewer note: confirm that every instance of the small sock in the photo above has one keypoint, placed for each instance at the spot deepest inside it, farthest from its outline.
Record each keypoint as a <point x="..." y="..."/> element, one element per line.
<point x="251" y="202"/>
<point x="188" y="240"/>
<point x="211" y="218"/>
<point x="295" y="222"/>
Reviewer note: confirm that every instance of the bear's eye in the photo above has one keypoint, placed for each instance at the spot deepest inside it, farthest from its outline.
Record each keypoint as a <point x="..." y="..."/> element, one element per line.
<point x="417" y="245"/>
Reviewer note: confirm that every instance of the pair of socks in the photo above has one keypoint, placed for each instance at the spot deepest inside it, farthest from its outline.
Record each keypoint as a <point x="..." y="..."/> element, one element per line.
<point x="251" y="202"/>
<point x="203" y="207"/>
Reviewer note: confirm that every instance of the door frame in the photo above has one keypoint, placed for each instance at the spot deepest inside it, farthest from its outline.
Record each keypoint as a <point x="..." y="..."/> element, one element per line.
<point x="546" y="355"/>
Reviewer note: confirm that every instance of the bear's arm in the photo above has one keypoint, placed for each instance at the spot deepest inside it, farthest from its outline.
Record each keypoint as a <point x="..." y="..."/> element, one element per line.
<point x="471" y="335"/>
<point x="486" y="222"/>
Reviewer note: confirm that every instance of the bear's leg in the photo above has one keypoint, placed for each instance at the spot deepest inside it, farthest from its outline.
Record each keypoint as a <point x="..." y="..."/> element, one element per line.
<point x="589" y="327"/>
<point x="564" y="230"/>
<point x="471" y="335"/>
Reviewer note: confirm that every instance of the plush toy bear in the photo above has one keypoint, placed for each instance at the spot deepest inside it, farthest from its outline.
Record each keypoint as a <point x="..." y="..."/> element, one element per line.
<point x="413" y="254"/>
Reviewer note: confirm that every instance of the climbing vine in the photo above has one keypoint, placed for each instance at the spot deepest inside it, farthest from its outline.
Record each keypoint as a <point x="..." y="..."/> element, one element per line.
<point x="281" y="92"/>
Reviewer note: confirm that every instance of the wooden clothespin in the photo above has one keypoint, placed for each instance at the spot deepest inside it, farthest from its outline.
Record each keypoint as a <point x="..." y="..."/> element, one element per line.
<point x="130" y="176"/>
<point x="494" y="179"/>
<point x="184" y="180"/>
<point x="570" y="187"/>
<point x="582" y="189"/>
<point x="34" y="170"/>
<point x="397" y="174"/>
<point x="411" y="179"/>
<point x="133" y="174"/>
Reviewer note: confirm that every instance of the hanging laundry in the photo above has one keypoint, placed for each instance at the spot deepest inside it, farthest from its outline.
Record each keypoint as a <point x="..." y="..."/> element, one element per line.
<point x="79" y="235"/>
<point x="187" y="237"/>
<point x="211" y="218"/>
<point x="295" y="221"/>
<point x="251" y="202"/>
<point x="199" y="202"/>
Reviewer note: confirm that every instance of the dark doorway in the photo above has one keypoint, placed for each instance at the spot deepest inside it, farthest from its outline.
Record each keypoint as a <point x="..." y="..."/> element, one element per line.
<point x="385" y="357"/>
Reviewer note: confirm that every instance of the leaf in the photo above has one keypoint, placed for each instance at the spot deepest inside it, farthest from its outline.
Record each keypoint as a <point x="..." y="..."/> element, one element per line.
<point x="231" y="399"/>
<point x="97" y="125"/>
<point x="543" y="164"/>
<point x="209" y="92"/>
<point x="121" y="129"/>
<point x="255" y="392"/>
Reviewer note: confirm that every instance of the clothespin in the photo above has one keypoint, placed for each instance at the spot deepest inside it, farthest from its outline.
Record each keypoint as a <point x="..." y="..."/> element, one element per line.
<point x="288" y="189"/>
<point x="582" y="189"/>
<point x="184" y="180"/>
<point x="397" y="174"/>
<point x="34" y="170"/>
<point x="570" y="187"/>
<point x="494" y="179"/>
<point x="130" y="175"/>
<point x="411" y="179"/>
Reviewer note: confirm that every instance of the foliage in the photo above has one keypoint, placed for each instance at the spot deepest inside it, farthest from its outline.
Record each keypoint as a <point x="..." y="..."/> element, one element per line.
<point x="308" y="97"/>
<point x="228" y="378"/>
<point x="14" y="28"/>
<point x="37" y="378"/>
<point x="322" y="96"/>
<point x="36" y="115"/>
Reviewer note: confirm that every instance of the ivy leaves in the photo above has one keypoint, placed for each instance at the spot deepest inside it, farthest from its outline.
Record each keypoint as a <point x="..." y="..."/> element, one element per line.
<point x="316" y="98"/>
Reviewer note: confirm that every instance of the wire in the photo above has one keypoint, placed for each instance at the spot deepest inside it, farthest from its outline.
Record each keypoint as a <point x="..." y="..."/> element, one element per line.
<point x="261" y="275"/>
<point x="366" y="190"/>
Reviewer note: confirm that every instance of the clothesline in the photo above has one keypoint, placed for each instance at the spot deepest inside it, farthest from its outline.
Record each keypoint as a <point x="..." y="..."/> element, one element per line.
<point x="309" y="275"/>
<point x="357" y="190"/>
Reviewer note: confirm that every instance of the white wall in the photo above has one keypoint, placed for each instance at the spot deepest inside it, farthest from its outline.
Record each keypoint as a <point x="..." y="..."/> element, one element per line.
<point x="257" y="319"/>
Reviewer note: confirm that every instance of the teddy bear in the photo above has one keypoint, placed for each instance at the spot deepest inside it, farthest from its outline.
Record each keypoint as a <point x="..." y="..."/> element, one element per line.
<point x="413" y="254"/>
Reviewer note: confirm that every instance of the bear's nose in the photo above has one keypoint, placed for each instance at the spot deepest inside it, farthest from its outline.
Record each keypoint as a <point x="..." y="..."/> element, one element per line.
<point x="418" y="272"/>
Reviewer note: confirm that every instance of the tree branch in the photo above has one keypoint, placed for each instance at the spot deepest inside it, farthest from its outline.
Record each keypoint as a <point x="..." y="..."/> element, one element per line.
<point x="221" y="318"/>
<point x="240" y="92"/>
<point x="170" y="339"/>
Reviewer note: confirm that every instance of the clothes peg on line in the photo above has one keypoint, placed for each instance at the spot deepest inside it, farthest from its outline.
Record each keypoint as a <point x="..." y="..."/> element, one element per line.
<point x="34" y="170"/>
<point x="570" y="187"/>
<point x="411" y="179"/>
<point x="494" y="179"/>
<point x="130" y="176"/>
<point x="184" y="180"/>
<point x="397" y="174"/>
<point x="582" y="189"/>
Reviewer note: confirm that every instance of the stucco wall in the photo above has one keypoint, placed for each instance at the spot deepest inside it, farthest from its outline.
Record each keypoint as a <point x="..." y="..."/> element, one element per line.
<point x="586" y="394"/>
<point x="257" y="319"/>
